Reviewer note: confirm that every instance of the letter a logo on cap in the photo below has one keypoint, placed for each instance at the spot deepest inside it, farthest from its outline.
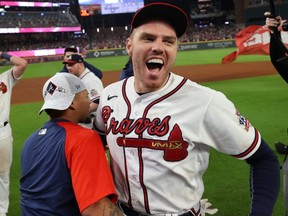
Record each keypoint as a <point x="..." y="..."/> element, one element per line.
<point x="51" y="88"/>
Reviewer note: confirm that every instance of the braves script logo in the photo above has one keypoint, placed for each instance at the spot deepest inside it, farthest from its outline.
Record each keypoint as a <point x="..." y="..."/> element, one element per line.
<point x="3" y="87"/>
<point x="175" y="148"/>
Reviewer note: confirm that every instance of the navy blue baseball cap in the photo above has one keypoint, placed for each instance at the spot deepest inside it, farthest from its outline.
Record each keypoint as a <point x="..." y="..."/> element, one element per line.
<point x="74" y="58"/>
<point x="173" y="14"/>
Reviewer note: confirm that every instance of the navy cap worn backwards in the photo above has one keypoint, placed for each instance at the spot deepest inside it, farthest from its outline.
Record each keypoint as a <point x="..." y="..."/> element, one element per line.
<point x="174" y="15"/>
<point x="74" y="58"/>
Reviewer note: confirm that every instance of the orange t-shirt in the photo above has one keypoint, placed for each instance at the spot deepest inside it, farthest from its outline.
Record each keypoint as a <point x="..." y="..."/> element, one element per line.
<point x="88" y="165"/>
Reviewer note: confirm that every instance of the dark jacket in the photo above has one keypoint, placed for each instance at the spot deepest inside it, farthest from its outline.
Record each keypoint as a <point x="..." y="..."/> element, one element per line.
<point x="93" y="69"/>
<point x="127" y="71"/>
<point x="279" y="55"/>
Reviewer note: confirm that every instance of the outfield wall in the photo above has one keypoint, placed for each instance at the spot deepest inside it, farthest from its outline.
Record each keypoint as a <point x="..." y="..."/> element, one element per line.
<point x="52" y="55"/>
<point x="182" y="47"/>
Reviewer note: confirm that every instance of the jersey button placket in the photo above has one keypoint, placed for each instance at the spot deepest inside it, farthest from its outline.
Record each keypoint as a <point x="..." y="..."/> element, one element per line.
<point x="136" y="111"/>
<point x="134" y="178"/>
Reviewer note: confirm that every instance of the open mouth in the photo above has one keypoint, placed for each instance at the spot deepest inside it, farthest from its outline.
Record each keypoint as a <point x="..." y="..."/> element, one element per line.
<point x="153" y="64"/>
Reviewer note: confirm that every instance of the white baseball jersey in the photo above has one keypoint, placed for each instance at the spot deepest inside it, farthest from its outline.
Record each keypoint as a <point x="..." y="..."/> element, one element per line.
<point x="7" y="82"/>
<point x="159" y="142"/>
<point x="94" y="87"/>
<point x="93" y="84"/>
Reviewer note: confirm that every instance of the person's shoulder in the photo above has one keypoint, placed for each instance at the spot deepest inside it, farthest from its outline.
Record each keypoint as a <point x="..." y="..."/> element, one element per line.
<point x="94" y="69"/>
<point x="190" y="86"/>
<point x="88" y="74"/>
<point x="7" y="73"/>
<point x="112" y="89"/>
<point x="80" y="132"/>
<point x="64" y="69"/>
<point x="115" y="85"/>
<point x="79" y="137"/>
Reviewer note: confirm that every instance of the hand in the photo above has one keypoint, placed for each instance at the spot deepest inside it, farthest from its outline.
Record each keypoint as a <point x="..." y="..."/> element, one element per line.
<point x="272" y="22"/>
<point x="207" y="207"/>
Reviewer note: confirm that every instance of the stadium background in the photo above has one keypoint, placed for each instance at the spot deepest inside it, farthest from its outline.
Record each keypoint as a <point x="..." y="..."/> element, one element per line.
<point x="207" y="24"/>
<point x="40" y="30"/>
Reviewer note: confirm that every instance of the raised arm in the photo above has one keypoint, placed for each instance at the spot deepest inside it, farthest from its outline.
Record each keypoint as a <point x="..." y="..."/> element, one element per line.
<point x="278" y="50"/>
<point x="19" y="64"/>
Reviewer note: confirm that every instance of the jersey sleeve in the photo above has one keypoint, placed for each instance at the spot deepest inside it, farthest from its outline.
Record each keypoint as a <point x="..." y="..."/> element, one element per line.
<point x="88" y="165"/>
<point x="98" y="124"/>
<point x="226" y="130"/>
<point x="10" y="77"/>
<point x="94" y="87"/>
<point x="94" y="70"/>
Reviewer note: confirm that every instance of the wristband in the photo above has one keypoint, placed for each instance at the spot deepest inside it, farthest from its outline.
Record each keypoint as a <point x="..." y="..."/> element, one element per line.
<point x="6" y="56"/>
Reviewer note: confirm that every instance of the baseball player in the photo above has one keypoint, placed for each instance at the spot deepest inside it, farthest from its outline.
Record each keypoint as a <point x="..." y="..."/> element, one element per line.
<point x="8" y="79"/>
<point x="160" y="126"/>
<point x="279" y="58"/>
<point x="70" y="50"/>
<point x="75" y="65"/>
<point x="64" y="170"/>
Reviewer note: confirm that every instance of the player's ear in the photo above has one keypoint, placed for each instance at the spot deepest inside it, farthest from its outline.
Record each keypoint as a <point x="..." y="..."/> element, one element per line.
<point x="73" y="105"/>
<point x="128" y="46"/>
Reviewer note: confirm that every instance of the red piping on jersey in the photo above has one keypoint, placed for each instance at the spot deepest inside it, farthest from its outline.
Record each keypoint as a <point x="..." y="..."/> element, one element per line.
<point x="252" y="146"/>
<point x="198" y="213"/>
<point x="124" y="153"/>
<point x="141" y="169"/>
<point x="13" y="76"/>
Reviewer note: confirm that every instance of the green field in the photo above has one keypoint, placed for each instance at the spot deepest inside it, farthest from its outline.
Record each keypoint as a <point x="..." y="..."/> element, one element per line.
<point x="263" y="100"/>
<point x="117" y="63"/>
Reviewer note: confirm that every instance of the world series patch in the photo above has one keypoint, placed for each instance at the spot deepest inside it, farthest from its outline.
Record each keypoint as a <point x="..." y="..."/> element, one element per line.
<point x="243" y="121"/>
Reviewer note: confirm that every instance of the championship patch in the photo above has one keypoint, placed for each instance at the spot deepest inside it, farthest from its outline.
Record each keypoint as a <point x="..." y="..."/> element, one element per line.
<point x="51" y="88"/>
<point x="93" y="92"/>
<point x="243" y="121"/>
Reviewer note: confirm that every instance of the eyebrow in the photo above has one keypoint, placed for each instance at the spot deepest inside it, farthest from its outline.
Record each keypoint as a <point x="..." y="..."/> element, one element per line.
<point x="146" y="34"/>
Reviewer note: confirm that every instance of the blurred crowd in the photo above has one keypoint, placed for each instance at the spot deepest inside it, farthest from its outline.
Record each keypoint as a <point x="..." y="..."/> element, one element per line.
<point x="37" y="18"/>
<point x="104" y="38"/>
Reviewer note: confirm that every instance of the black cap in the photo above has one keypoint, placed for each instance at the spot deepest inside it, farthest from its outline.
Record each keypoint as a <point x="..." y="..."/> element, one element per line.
<point x="174" y="15"/>
<point x="74" y="58"/>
